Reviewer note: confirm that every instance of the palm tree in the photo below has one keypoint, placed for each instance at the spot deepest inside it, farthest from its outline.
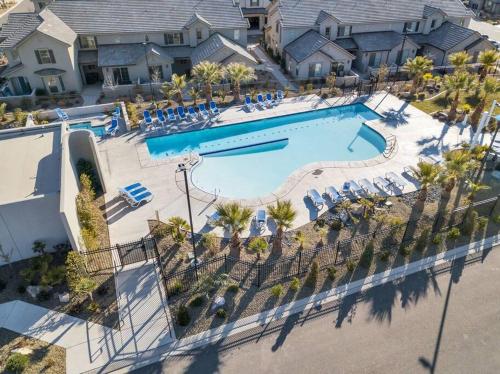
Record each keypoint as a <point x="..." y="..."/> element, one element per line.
<point x="177" y="85"/>
<point x="194" y="93"/>
<point x="238" y="73"/>
<point x="459" y="60"/>
<point x="283" y="215"/>
<point x="178" y="228"/>
<point x="454" y="83"/>
<point x="427" y="174"/>
<point x="234" y="218"/>
<point x="489" y="87"/>
<point x="457" y="164"/>
<point x="417" y="67"/>
<point x="300" y="238"/>
<point x="488" y="59"/>
<point x="474" y="188"/>
<point x="368" y="207"/>
<point x="207" y="73"/>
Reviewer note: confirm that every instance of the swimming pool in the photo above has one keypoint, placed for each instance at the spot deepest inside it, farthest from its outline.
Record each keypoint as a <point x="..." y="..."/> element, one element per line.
<point x="253" y="159"/>
<point x="99" y="131"/>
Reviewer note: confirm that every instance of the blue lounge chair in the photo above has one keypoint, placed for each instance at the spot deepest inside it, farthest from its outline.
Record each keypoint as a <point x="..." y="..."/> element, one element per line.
<point x="334" y="195"/>
<point x="113" y="128"/>
<point x="147" y="118"/>
<point x="279" y="95"/>
<point x="260" y="101"/>
<point x="260" y="219"/>
<point x="61" y="114"/>
<point x="248" y="104"/>
<point x="160" y="116"/>
<point x="213" y="109"/>
<point x="136" y="201"/>
<point x="269" y="100"/>
<point x="192" y="113"/>
<point x="181" y="113"/>
<point x="213" y="219"/>
<point x="117" y="112"/>
<point x="125" y="190"/>
<point x="171" y="115"/>
<point x="316" y="198"/>
<point x="203" y="110"/>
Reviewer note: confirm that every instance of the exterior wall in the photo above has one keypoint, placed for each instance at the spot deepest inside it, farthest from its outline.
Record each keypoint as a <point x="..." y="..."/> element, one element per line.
<point x="474" y="51"/>
<point x="437" y="17"/>
<point x="18" y="101"/>
<point x="23" y="222"/>
<point x="247" y="4"/>
<point x="436" y="55"/>
<point x="301" y="70"/>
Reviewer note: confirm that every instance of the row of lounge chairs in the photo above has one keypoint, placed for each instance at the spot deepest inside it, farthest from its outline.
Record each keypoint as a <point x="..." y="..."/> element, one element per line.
<point x="262" y="103"/>
<point x="362" y="188"/>
<point x="136" y="194"/>
<point x="181" y="114"/>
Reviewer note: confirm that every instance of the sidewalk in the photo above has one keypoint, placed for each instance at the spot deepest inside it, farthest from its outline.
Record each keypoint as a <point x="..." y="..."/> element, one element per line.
<point x="270" y="66"/>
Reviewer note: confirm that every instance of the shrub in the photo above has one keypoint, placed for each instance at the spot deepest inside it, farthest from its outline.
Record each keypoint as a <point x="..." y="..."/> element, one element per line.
<point x="233" y="288"/>
<point x="404" y="250"/>
<point x="132" y="114"/>
<point x="53" y="276"/>
<point x="209" y="241"/>
<point x="20" y="116"/>
<point x="367" y="255"/>
<point x="258" y="245"/>
<point x="197" y="301"/>
<point x="320" y="222"/>
<point x="470" y="223"/>
<point x="437" y="239"/>
<point x="277" y="290"/>
<point x="183" y="317"/>
<point x="496" y="218"/>
<point x="86" y="167"/>
<point x="160" y="231"/>
<point x="454" y="233"/>
<point x="332" y="272"/>
<point x="75" y="268"/>
<point x="221" y="313"/>
<point x="384" y="256"/>
<point x="422" y="240"/>
<point x="94" y="307"/>
<point x="89" y="238"/>
<point x="482" y="222"/>
<point x="17" y="362"/>
<point x="421" y="96"/>
<point x="312" y="278"/>
<point x="351" y="265"/>
<point x="176" y="288"/>
<point x="28" y="274"/>
<point x="295" y="284"/>
<point x="21" y="288"/>
<point x="39" y="247"/>
<point x="336" y="225"/>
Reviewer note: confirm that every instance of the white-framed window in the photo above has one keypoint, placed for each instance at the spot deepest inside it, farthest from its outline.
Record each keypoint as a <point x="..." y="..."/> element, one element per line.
<point x="199" y="35"/>
<point x="410" y="27"/>
<point x="374" y="60"/>
<point x="45" y="56"/>
<point x="315" y="70"/>
<point x="236" y="34"/>
<point x="174" y="38"/>
<point x="433" y="24"/>
<point x="254" y="2"/>
<point x="88" y="42"/>
<point x="344" y="31"/>
<point x="121" y="76"/>
<point x="328" y="31"/>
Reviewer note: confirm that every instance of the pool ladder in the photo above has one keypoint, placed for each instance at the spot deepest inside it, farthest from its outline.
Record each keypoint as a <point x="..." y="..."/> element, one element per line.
<point x="391" y="146"/>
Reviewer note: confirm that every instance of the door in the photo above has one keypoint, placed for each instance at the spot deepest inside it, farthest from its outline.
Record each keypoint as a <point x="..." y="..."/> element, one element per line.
<point x="52" y="84"/>
<point x="91" y="73"/>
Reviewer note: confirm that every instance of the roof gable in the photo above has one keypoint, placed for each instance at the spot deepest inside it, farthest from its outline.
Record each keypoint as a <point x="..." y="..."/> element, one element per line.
<point x="445" y="37"/>
<point x="215" y="44"/>
<point x="196" y="18"/>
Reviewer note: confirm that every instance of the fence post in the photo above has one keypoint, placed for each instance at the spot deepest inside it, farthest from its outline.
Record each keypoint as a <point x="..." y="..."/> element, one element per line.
<point x="300" y="262"/>
<point x="258" y="275"/>
<point x="119" y="250"/>
<point x="336" y="252"/>
<point x="225" y="264"/>
<point x="143" y="245"/>
<point x="494" y="206"/>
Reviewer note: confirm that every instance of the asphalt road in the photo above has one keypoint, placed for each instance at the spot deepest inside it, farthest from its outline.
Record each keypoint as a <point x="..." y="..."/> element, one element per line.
<point x="442" y="321"/>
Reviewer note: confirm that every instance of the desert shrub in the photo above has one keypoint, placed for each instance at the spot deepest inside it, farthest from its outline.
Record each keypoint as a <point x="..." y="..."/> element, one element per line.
<point x="94" y="307"/>
<point x="437" y="239"/>
<point x="496" y="218"/>
<point x="221" y="313"/>
<point x="482" y="222"/>
<point x="75" y="268"/>
<point x="295" y="284"/>
<point x="422" y="240"/>
<point x="312" y="277"/>
<point x="233" y="288"/>
<point x="421" y="96"/>
<point x="454" y="233"/>
<point x="86" y="167"/>
<point x="20" y="117"/>
<point x="197" y="301"/>
<point x="132" y="114"/>
<point x="404" y="249"/>
<point x="351" y="265"/>
<point x="183" y="317"/>
<point x="53" y="276"/>
<point x="89" y="238"/>
<point x="336" y="225"/>
<point x="332" y="272"/>
<point x="209" y="241"/>
<point x="258" y="245"/>
<point x="176" y="287"/>
<point x="470" y="222"/>
<point x="367" y="255"/>
<point x="160" y="231"/>
<point x="320" y="222"/>
<point x="384" y="255"/>
<point x="17" y="363"/>
<point x="277" y="290"/>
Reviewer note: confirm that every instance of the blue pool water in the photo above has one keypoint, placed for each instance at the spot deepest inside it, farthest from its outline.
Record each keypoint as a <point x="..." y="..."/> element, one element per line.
<point x="99" y="131"/>
<point x="253" y="159"/>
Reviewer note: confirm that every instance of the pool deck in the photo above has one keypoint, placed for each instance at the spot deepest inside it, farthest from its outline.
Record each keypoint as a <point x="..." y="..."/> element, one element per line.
<point x="126" y="161"/>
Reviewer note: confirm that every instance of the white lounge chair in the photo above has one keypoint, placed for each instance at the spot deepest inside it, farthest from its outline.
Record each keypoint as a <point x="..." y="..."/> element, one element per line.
<point x="123" y="191"/>
<point x="137" y="200"/>
<point x="382" y="183"/>
<point x="346" y="188"/>
<point x="270" y="102"/>
<point x="334" y="195"/>
<point x="316" y="198"/>
<point x="113" y="128"/>
<point x="396" y="180"/>
<point x="279" y="96"/>
<point x="368" y="186"/>
<point x="214" y="110"/>
<point x="248" y="104"/>
<point x="355" y="188"/>
<point x="409" y="171"/>
<point x="260" y="101"/>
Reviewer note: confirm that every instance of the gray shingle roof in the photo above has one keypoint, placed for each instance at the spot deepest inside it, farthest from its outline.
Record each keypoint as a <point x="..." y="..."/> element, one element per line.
<point x="127" y="53"/>
<point x="445" y="37"/>
<point x="215" y="44"/>
<point x="305" y="12"/>
<point x="18" y="27"/>
<point x="377" y="41"/>
<point x="307" y="44"/>
<point x="120" y="16"/>
<point x="346" y="43"/>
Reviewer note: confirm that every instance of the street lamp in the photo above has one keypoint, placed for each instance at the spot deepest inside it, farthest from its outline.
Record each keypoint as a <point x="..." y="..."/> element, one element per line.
<point x="181" y="168"/>
<point x="145" y="45"/>
<point x="485" y="158"/>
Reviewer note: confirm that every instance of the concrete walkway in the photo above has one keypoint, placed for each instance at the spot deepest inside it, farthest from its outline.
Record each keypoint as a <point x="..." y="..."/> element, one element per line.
<point x="91" y="93"/>
<point x="272" y="67"/>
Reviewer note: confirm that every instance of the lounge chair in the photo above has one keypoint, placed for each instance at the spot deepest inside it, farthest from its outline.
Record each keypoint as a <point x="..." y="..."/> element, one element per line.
<point x="269" y="100"/>
<point x="260" y="101"/>
<point x="61" y="114"/>
<point x="181" y="113"/>
<point x="382" y="183"/>
<point x="334" y="195"/>
<point x="355" y="188"/>
<point x="316" y="198"/>
<point x="136" y="201"/>
<point x="346" y="188"/>
<point x="160" y="116"/>
<point x="213" y="219"/>
<point x="113" y="128"/>
<point x="203" y="111"/>
<point x="248" y="104"/>
<point x="368" y="186"/>
<point x="214" y="110"/>
<point x="409" y="171"/>
<point x="117" y="112"/>
<point x="279" y="96"/>
<point x="147" y="118"/>
<point x="192" y="114"/>
<point x="125" y="190"/>
<point x="396" y="180"/>
<point x="171" y="115"/>
<point x="260" y="219"/>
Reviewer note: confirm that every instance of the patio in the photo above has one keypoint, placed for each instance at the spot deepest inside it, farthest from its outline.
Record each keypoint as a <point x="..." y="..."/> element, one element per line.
<point x="127" y="160"/>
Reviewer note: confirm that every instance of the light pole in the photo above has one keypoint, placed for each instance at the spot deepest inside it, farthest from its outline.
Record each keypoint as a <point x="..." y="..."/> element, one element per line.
<point x="145" y="45"/>
<point x="485" y="158"/>
<point x="182" y="168"/>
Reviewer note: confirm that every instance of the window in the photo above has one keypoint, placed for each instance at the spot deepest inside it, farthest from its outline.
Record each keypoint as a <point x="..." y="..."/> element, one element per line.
<point x="433" y="24"/>
<point x="120" y="76"/>
<point x="337" y="68"/>
<point x="374" y="60"/>
<point x="52" y="84"/>
<point x="254" y="2"/>
<point x="315" y="70"/>
<point x="236" y="34"/>
<point x="411" y="27"/>
<point x="21" y="85"/>
<point x="199" y="35"/>
<point x="41" y="5"/>
<point x="88" y="42"/>
<point x="402" y="57"/>
<point x="174" y="38"/>
<point x="327" y="32"/>
<point x="156" y="73"/>
<point x="45" y="56"/>
<point x="277" y="27"/>
<point x="61" y="83"/>
<point x="344" y="31"/>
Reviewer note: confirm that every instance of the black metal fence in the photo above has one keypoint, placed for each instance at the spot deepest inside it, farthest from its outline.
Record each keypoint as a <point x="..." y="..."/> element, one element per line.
<point x="259" y="274"/>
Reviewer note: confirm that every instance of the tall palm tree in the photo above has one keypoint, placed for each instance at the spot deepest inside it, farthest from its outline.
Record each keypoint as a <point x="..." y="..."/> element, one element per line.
<point x="457" y="164"/>
<point x="488" y="59"/>
<point x="459" y="60"/>
<point x="489" y="87"/>
<point x="194" y="93"/>
<point x="234" y="218"/>
<point x="207" y="73"/>
<point x="427" y="174"/>
<point x="474" y="188"/>
<point x="417" y="67"/>
<point x="237" y="74"/>
<point x="283" y="215"/>
<point x="455" y="83"/>
<point x="177" y="85"/>
<point x="177" y="228"/>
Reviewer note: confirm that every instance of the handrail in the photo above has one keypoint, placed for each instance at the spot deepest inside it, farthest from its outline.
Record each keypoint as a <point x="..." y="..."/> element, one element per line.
<point x="391" y="146"/>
